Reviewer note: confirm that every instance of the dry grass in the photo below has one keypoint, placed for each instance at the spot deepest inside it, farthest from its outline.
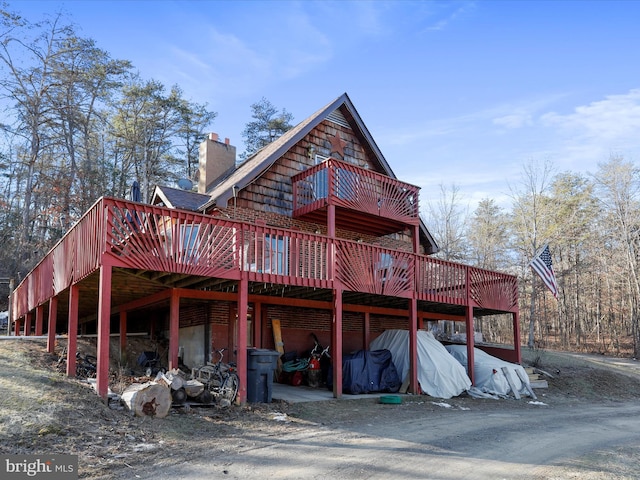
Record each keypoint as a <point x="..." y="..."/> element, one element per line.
<point x="42" y="411"/>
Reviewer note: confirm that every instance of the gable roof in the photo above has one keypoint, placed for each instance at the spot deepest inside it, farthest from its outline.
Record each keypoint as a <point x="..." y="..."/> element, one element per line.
<point x="255" y="165"/>
<point x="176" y="198"/>
<point x="264" y="158"/>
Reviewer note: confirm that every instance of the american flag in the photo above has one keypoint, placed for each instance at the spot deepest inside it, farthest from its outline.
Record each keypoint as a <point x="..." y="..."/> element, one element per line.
<point x="542" y="265"/>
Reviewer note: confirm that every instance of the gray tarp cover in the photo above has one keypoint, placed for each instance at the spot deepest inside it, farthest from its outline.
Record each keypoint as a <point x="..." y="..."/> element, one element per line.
<point x="439" y="374"/>
<point x="487" y="370"/>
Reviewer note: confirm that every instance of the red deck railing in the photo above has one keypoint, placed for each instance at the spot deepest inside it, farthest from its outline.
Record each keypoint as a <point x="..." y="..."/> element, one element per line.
<point x="137" y="236"/>
<point x="333" y="182"/>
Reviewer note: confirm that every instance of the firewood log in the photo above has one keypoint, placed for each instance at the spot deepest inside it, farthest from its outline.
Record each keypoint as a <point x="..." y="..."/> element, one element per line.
<point x="193" y="388"/>
<point x="171" y="379"/>
<point x="179" y="396"/>
<point x="148" y="399"/>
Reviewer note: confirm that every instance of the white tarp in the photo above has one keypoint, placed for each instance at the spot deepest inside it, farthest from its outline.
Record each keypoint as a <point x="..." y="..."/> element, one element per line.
<point x="439" y="374"/>
<point x="489" y="377"/>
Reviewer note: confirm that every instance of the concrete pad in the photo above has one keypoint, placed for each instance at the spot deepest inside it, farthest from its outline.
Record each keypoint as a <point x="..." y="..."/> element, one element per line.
<point x="302" y="393"/>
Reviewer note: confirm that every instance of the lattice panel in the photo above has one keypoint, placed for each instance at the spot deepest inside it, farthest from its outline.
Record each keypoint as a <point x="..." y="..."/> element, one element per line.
<point x="494" y="290"/>
<point x="368" y="269"/>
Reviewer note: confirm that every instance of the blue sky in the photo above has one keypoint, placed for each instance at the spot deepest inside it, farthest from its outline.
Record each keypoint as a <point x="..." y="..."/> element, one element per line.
<point x="460" y="93"/>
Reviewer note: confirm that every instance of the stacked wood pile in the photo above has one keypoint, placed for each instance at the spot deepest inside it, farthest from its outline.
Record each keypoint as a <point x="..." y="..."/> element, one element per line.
<point x="155" y="398"/>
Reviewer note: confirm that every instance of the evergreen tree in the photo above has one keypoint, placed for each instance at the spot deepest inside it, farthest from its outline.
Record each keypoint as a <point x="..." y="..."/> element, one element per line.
<point x="267" y="125"/>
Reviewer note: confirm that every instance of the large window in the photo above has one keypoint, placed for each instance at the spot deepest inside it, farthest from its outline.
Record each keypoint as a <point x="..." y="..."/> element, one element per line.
<point x="276" y="254"/>
<point x="268" y="254"/>
<point x="189" y="241"/>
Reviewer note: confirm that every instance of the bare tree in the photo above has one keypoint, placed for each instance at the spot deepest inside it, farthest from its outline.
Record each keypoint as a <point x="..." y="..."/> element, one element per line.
<point x="447" y="220"/>
<point x="532" y="224"/>
<point x="618" y="185"/>
<point x="488" y="236"/>
<point x="27" y="66"/>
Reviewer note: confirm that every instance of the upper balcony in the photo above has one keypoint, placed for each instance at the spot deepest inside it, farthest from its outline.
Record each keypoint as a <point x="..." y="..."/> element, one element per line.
<point x="365" y="201"/>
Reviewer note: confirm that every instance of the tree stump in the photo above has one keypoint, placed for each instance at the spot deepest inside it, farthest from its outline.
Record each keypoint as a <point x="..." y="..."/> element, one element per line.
<point x="148" y="399"/>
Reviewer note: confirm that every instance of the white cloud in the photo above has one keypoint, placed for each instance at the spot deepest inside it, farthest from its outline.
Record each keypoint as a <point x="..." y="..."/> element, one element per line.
<point x="515" y="120"/>
<point x="449" y="16"/>
<point x="616" y="118"/>
<point x="510" y="116"/>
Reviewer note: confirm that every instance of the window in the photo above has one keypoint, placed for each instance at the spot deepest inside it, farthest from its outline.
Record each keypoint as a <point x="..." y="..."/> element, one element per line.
<point x="189" y="242"/>
<point x="276" y="254"/>
<point x="321" y="179"/>
<point x="268" y="254"/>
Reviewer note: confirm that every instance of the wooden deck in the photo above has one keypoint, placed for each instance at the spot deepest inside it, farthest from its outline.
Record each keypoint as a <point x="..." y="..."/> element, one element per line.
<point x="171" y="244"/>
<point x="122" y="255"/>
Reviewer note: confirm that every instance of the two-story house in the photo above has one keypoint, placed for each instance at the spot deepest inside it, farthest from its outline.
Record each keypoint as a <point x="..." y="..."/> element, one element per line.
<point x="312" y="234"/>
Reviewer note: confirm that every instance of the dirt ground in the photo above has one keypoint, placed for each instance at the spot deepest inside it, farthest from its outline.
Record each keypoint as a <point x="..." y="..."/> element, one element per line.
<point x="585" y="425"/>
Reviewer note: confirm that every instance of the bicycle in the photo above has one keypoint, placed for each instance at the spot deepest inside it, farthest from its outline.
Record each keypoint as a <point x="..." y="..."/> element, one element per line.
<point x="219" y="378"/>
<point x="86" y="365"/>
<point x="313" y="366"/>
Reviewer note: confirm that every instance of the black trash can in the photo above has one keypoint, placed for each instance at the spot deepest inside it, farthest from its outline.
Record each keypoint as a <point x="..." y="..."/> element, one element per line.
<point x="261" y="365"/>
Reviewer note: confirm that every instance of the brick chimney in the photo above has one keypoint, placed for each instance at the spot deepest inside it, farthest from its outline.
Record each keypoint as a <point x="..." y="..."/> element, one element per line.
<point x="217" y="159"/>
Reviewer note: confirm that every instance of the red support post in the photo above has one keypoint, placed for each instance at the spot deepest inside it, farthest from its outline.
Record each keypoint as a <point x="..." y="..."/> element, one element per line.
<point x="39" y="320"/>
<point x="470" y="344"/>
<point x="17" y="327"/>
<point x="469" y="328"/>
<point x="413" y="346"/>
<point x="331" y="221"/>
<point x="72" y="341"/>
<point x="53" y="319"/>
<point x="331" y="233"/>
<point x="174" y="329"/>
<point x="104" y="319"/>
<point x="336" y="342"/>
<point x="241" y="359"/>
<point x="516" y="336"/>
<point x="27" y="323"/>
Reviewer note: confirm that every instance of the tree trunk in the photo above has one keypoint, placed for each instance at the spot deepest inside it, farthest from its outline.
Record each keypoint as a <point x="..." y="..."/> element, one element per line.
<point x="148" y="399"/>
